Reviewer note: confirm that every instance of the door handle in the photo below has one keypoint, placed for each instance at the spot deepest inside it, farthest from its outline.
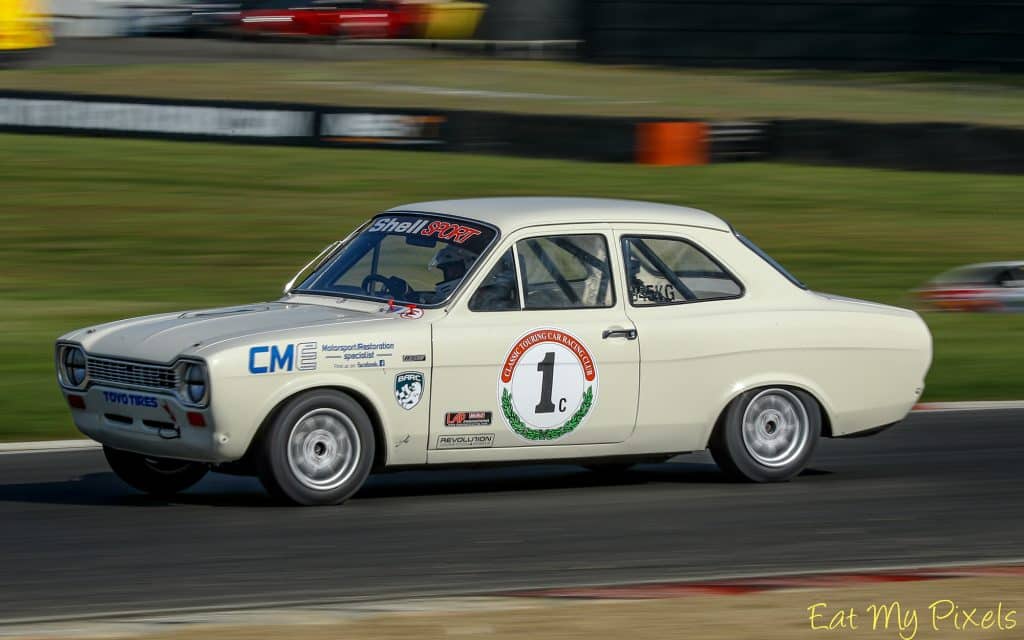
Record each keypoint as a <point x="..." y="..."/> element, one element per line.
<point x="628" y="334"/>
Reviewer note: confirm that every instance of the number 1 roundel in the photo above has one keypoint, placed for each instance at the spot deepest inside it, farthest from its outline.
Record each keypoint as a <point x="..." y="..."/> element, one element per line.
<point x="547" y="385"/>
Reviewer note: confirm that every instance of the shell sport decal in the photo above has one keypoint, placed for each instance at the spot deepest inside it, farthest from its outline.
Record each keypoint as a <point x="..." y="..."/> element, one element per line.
<point x="547" y="385"/>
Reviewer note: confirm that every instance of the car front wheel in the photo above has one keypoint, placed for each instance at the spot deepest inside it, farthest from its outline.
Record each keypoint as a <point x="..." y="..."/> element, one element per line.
<point x="767" y="435"/>
<point x="318" y="450"/>
<point x="157" y="476"/>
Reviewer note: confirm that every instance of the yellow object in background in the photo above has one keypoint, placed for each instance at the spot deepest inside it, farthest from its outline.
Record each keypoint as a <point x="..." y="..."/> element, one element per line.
<point x="24" y="25"/>
<point x="452" y="20"/>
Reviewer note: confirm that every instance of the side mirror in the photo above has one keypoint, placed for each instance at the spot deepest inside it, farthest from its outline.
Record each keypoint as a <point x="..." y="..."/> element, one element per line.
<point x="312" y="265"/>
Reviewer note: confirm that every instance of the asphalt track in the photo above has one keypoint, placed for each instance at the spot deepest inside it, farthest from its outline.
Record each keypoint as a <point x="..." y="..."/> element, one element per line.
<point x="941" y="487"/>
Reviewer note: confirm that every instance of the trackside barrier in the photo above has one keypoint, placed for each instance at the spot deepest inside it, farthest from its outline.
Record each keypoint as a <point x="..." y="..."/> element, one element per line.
<point x="936" y="147"/>
<point x="672" y="143"/>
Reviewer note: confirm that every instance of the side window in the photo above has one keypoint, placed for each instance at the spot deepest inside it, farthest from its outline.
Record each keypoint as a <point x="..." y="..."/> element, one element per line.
<point x="565" y="272"/>
<point x="1017" y="277"/>
<point x="663" y="271"/>
<point x="499" y="291"/>
<point x="1011" y="277"/>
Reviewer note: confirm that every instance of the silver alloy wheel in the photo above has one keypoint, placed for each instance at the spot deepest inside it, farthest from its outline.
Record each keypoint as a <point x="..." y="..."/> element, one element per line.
<point x="323" y="449"/>
<point x="776" y="428"/>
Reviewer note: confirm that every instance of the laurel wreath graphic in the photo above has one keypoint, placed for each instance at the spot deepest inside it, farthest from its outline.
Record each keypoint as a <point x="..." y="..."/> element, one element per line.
<point x="530" y="433"/>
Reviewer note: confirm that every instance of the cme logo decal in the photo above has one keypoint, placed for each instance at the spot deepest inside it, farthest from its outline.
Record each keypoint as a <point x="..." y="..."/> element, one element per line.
<point x="130" y="399"/>
<point x="408" y="389"/>
<point x="547" y="385"/>
<point x="291" y="357"/>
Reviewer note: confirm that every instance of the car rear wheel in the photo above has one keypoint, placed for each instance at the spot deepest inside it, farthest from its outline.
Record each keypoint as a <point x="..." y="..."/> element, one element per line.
<point x="767" y="435"/>
<point x="157" y="476"/>
<point x="318" y="450"/>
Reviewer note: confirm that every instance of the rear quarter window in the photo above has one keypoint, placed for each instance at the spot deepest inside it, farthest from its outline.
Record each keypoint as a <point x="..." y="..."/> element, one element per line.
<point x="748" y="243"/>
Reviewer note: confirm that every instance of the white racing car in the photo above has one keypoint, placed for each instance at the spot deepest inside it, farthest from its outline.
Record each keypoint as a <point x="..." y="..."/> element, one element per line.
<point x="492" y="331"/>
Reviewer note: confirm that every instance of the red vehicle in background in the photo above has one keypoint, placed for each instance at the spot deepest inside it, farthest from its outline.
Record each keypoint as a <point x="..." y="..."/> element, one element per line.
<point x="330" y="18"/>
<point x="992" y="286"/>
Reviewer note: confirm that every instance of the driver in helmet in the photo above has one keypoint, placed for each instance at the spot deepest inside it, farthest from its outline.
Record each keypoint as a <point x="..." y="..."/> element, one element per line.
<point x="454" y="262"/>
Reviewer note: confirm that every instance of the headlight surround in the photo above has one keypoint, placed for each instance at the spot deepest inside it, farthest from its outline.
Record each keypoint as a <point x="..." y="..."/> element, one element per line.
<point x="72" y="366"/>
<point x="194" y="382"/>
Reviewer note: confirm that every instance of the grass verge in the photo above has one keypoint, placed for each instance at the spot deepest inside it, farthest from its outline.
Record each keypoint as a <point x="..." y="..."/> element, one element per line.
<point x="560" y="87"/>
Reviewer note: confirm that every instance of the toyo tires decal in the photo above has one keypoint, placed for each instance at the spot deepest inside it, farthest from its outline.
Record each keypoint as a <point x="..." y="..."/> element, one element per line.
<point x="547" y="385"/>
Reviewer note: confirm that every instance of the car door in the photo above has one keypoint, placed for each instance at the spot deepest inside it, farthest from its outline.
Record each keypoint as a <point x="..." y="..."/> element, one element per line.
<point x="683" y="301"/>
<point x="538" y="353"/>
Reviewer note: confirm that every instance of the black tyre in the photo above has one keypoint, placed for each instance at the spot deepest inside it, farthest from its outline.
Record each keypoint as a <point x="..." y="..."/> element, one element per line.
<point x="767" y="435"/>
<point x="156" y="476"/>
<point x="318" y="450"/>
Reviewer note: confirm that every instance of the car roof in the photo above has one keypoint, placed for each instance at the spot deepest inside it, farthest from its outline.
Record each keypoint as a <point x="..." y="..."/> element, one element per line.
<point x="509" y="214"/>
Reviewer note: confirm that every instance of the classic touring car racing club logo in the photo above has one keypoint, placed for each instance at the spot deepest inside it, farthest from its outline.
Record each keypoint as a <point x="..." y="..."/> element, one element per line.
<point x="547" y="385"/>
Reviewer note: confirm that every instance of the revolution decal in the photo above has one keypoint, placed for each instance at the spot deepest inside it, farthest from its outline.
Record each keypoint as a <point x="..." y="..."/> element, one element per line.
<point x="468" y="441"/>
<point x="408" y="389"/>
<point x="547" y="385"/>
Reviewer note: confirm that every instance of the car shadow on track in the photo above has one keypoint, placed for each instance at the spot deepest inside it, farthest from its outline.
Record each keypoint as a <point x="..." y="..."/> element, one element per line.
<point x="105" y="489"/>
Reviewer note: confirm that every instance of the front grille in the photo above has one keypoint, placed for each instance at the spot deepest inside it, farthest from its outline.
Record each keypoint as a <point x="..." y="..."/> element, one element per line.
<point x="132" y="374"/>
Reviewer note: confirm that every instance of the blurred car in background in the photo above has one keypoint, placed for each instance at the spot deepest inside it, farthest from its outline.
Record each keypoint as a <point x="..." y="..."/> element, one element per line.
<point x="379" y="19"/>
<point x="24" y="28"/>
<point x="991" y="286"/>
<point x="171" y="18"/>
<point x="330" y="18"/>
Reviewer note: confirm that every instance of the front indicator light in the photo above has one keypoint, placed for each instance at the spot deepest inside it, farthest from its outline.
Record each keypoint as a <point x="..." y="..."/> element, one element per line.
<point x="196" y="419"/>
<point x="76" y="402"/>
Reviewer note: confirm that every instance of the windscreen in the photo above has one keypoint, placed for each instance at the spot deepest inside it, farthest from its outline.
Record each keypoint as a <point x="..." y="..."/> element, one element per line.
<point x="409" y="258"/>
<point x="969" y="275"/>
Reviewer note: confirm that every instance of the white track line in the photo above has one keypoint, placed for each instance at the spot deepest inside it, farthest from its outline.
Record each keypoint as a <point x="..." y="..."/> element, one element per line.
<point x="988" y="405"/>
<point x="44" y="446"/>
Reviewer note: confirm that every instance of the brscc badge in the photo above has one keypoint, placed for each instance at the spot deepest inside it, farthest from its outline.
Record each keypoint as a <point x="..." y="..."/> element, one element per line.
<point x="547" y="385"/>
<point x="408" y="389"/>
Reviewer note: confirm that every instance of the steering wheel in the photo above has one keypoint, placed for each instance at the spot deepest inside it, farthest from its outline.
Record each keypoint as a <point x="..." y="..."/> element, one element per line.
<point x="395" y="286"/>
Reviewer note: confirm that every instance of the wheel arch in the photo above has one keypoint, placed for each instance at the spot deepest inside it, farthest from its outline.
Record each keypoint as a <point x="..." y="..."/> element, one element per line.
<point x="379" y="437"/>
<point x="809" y="389"/>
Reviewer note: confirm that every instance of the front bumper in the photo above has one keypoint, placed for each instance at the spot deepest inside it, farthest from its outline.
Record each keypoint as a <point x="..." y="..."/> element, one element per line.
<point x="149" y="423"/>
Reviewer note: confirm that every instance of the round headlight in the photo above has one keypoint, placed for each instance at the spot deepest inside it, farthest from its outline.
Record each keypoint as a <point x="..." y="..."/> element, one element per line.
<point x="195" y="383"/>
<point x="74" y="366"/>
